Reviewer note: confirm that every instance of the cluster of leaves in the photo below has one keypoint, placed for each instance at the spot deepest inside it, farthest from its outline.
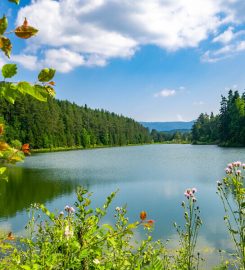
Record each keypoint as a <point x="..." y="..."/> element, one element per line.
<point x="10" y="154"/>
<point x="24" y="31"/>
<point x="40" y="90"/>
<point x="12" y="90"/>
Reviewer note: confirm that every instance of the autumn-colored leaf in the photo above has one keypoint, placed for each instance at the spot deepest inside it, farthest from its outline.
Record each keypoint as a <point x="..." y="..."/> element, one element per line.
<point x="52" y="83"/>
<point x="149" y="223"/>
<point x="5" y="46"/>
<point x="3" y="146"/>
<point x="25" y="31"/>
<point x="26" y="148"/>
<point x="142" y="215"/>
<point x="10" y="236"/>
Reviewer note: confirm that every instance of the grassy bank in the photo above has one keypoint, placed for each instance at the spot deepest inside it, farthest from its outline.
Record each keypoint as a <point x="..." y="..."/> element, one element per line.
<point x="70" y="148"/>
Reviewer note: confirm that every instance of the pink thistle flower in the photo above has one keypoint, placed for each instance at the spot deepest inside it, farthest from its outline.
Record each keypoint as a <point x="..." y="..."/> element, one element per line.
<point x="238" y="163"/>
<point x="194" y="190"/>
<point x="238" y="172"/>
<point x="228" y="171"/>
<point x="243" y="165"/>
<point x="69" y="209"/>
<point x="230" y="165"/>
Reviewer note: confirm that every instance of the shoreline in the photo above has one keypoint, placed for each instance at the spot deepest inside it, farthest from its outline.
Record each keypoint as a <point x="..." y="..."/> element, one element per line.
<point x="71" y="148"/>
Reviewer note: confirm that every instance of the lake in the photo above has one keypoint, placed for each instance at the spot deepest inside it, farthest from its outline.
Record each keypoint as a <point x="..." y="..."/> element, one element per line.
<point x="150" y="177"/>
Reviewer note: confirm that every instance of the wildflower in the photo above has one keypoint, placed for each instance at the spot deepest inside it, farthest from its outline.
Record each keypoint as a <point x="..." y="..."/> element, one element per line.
<point x="189" y="192"/>
<point x="219" y="183"/>
<point x="68" y="233"/>
<point x="230" y="165"/>
<point x="61" y="213"/>
<point x="69" y="209"/>
<point x="238" y="172"/>
<point x="149" y="223"/>
<point x="118" y="209"/>
<point x="96" y="261"/>
<point x="143" y="215"/>
<point x="228" y="171"/>
<point x="194" y="199"/>
<point x="243" y="165"/>
<point x="238" y="163"/>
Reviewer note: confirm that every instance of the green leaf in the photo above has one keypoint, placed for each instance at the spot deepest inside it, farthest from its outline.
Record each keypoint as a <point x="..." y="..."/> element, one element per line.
<point x="5" y="46"/>
<point x="50" y="90"/>
<point x="15" y="1"/>
<point x="9" y="70"/>
<point x="8" y="91"/>
<point x="36" y="91"/>
<point x="2" y="170"/>
<point x="3" y="25"/>
<point x="46" y="74"/>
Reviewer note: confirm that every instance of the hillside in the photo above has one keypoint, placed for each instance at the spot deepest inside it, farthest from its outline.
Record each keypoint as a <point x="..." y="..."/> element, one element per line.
<point x="168" y="126"/>
<point x="64" y="124"/>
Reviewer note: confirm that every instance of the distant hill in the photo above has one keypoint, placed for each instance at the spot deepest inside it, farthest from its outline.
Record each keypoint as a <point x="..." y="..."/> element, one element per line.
<point x="168" y="126"/>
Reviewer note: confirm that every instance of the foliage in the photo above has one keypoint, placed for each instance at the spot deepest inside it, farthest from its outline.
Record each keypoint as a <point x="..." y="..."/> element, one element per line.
<point x="10" y="90"/>
<point x="227" y="128"/>
<point x="77" y="239"/>
<point x="179" y="136"/>
<point x="186" y="258"/>
<point x="70" y="125"/>
<point x="232" y="193"/>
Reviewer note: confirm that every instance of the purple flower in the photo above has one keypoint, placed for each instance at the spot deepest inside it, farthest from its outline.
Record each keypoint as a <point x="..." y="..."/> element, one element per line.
<point x="238" y="172"/>
<point x="69" y="209"/>
<point x="228" y="170"/>
<point x="194" y="190"/>
<point x="230" y="165"/>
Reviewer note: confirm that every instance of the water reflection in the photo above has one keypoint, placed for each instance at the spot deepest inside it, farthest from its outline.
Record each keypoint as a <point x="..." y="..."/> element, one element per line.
<point x="27" y="186"/>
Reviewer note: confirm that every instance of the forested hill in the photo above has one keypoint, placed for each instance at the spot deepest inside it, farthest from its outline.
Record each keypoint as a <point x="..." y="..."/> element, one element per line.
<point x="62" y="123"/>
<point x="227" y="128"/>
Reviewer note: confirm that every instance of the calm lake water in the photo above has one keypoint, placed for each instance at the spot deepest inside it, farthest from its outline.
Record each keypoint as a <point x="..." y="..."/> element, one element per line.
<point x="151" y="178"/>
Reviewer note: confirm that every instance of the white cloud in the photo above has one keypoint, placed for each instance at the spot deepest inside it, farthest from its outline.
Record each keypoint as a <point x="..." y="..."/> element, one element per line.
<point x="165" y="93"/>
<point x="99" y="30"/>
<point x="227" y="51"/>
<point x="28" y="61"/>
<point x="226" y="36"/>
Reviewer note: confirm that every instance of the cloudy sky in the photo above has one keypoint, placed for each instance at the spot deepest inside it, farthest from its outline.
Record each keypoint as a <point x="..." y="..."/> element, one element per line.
<point x="152" y="60"/>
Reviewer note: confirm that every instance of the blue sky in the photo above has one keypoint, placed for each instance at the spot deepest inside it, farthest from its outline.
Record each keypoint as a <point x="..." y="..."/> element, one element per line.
<point x="155" y="60"/>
